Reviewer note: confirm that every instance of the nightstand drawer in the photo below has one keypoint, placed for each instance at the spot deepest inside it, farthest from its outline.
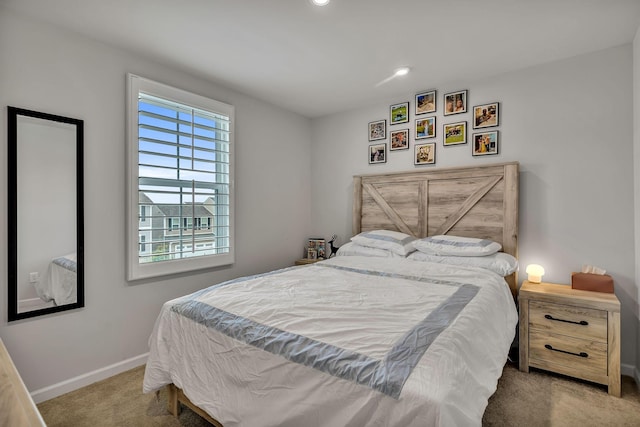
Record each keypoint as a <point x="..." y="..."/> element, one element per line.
<point x="577" y="322"/>
<point x="573" y="356"/>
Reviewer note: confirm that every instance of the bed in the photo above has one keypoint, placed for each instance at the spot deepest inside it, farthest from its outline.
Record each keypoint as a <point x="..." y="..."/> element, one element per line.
<point x="356" y="340"/>
<point x="60" y="282"/>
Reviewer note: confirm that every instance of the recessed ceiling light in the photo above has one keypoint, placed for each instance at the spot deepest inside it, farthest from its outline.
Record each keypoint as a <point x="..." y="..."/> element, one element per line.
<point x="402" y="71"/>
<point x="320" y="2"/>
<point x="399" y="72"/>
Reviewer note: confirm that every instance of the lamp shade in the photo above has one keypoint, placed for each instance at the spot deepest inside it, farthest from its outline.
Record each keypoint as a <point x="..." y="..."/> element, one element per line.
<point x="535" y="273"/>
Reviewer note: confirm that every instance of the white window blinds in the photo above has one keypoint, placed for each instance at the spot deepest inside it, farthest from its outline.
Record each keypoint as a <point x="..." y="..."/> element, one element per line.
<point x="183" y="178"/>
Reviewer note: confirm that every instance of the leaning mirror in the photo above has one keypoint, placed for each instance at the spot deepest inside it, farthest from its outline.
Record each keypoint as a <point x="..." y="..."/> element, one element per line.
<point x="45" y="213"/>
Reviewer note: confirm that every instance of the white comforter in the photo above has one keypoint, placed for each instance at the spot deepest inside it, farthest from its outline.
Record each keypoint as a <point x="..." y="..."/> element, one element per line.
<point x="350" y="341"/>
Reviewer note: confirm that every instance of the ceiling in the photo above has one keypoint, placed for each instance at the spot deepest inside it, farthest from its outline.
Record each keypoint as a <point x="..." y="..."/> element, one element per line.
<point x="322" y="60"/>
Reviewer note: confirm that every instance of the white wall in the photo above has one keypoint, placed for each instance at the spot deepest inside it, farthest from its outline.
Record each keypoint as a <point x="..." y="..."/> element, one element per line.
<point x="568" y="123"/>
<point x="57" y="72"/>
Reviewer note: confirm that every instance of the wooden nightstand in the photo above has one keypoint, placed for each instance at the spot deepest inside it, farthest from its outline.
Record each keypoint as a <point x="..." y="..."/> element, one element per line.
<point x="305" y="261"/>
<point x="571" y="332"/>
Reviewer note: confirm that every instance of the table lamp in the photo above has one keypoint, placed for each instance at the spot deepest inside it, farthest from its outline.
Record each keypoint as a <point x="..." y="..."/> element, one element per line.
<point x="535" y="273"/>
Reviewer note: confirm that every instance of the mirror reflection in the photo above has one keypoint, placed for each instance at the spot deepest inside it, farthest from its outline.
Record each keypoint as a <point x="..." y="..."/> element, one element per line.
<point x="45" y="213"/>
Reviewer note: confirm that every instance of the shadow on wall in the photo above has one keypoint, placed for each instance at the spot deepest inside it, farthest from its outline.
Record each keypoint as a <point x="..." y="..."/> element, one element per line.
<point x="533" y="218"/>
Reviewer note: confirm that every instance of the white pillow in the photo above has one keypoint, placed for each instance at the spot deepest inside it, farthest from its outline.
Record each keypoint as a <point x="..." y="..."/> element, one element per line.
<point x="351" y="249"/>
<point x="456" y="246"/>
<point x="500" y="263"/>
<point x="394" y="241"/>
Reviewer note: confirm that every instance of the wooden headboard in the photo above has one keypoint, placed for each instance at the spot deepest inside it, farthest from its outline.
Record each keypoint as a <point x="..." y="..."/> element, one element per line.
<point x="478" y="201"/>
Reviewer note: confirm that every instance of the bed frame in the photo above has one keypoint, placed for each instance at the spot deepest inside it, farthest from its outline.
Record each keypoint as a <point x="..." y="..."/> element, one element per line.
<point x="479" y="201"/>
<point x="16" y="405"/>
<point x="175" y="396"/>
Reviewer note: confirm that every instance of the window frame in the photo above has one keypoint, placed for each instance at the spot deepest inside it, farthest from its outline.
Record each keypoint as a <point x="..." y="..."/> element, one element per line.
<point x="135" y="269"/>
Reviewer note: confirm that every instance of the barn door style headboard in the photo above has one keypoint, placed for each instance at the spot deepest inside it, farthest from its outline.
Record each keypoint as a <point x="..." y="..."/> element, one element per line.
<point x="478" y="201"/>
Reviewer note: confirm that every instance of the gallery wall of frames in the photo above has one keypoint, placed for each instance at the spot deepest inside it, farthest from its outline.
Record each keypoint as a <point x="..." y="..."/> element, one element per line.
<point x="397" y="132"/>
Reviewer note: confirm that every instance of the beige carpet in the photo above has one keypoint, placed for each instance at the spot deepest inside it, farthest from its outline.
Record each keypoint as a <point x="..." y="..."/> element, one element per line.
<point x="530" y="400"/>
<point x="545" y="399"/>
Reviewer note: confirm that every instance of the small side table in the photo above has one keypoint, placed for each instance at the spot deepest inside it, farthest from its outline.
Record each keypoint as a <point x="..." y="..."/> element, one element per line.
<point x="305" y="261"/>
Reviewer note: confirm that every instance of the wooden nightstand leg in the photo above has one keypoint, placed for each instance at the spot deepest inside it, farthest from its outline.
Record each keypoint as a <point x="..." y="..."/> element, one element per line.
<point x="613" y="333"/>
<point x="523" y="362"/>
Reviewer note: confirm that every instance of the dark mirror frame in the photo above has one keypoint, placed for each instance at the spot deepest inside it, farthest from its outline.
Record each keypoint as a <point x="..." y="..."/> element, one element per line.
<point x="12" y="214"/>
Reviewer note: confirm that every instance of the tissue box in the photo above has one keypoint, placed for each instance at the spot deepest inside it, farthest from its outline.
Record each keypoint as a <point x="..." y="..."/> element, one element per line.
<point x="592" y="282"/>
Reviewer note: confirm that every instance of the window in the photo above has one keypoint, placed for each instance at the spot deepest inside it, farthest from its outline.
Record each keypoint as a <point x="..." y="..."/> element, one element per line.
<point x="143" y="247"/>
<point x="173" y="224"/>
<point x="180" y="180"/>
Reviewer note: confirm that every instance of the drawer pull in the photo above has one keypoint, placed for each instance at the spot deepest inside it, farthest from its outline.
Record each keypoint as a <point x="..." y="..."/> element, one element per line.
<point x="582" y="322"/>
<point x="581" y="354"/>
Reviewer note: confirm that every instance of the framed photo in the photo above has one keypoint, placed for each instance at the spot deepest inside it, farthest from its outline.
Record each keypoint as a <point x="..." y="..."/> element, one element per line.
<point x="399" y="113"/>
<point x="485" y="115"/>
<point x="455" y="102"/>
<point x="425" y="102"/>
<point x="377" y="153"/>
<point x="426" y="128"/>
<point x="399" y="139"/>
<point x="377" y="130"/>
<point x="312" y="253"/>
<point x="455" y="133"/>
<point x="485" y="143"/>
<point x="424" y="154"/>
<point x="318" y="244"/>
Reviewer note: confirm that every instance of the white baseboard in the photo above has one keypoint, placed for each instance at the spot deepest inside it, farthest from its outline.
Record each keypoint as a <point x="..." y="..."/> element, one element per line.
<point x="31" y="304"/>
<point x="83" y="380"/>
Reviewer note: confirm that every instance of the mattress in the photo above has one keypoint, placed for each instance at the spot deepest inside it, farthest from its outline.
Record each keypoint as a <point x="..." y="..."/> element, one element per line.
<point x="347" y="341"/>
